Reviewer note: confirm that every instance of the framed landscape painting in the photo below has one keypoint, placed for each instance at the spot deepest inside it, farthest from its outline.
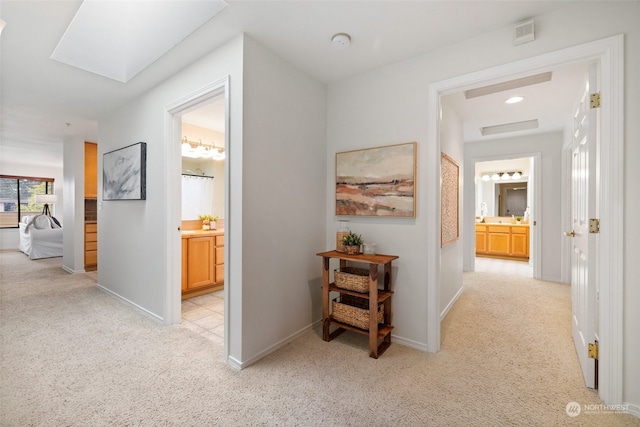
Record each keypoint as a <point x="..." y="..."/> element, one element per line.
<point x="124" y="173"/>
<point x="377" y="181"/>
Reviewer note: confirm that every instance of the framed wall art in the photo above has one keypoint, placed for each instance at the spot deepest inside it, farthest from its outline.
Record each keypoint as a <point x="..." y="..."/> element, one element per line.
<point x="377" y="181"/>
<point x="449" y="199"/>
<point x="124" y="173"/>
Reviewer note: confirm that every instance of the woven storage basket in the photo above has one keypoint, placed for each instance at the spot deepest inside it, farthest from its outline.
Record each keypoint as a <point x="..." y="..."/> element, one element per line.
<point x="354" y="311"/>
<point x="352" y="279"/>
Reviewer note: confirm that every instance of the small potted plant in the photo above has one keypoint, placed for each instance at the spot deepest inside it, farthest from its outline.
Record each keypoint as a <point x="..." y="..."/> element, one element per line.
<point x="352" y="243"/>
<point x="208" y="221"/>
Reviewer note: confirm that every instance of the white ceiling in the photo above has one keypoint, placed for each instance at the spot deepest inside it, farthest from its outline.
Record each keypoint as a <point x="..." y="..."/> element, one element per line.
<point x="40" y="96"/>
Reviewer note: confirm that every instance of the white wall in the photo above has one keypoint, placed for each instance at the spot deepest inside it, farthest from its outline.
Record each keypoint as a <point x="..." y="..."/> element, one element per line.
<point x="389" y="105"/>
<point x="452" y="144"/>
<point x="133" y="236"/>
<point x="73" y="233"/>
<point x="283" y="200"/>
<point x="44" y="161"/>
<point x="275" y="222"/>
<point x="550" y="147"/>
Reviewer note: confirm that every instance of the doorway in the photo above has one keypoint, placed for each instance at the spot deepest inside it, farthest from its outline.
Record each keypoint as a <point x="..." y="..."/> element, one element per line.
<point x="202" y="146"/>
<point x="609" y="54"/>
<point x="507" y="191"/>
<point x="174" y="135"/>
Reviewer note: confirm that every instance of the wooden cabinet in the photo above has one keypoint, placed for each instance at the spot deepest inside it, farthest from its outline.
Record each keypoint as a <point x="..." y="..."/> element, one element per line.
<point x="202" y="262"/>
<point x="219" y="259"/>
<point x="379" y="333"/>
<point x="508" y="241"/>
<point x="90" y="246"/>
<point x="498" y="238"/>
<point x="90" y="170"/>
<point x="481" y="239"/>
<point x="520" y="242"/>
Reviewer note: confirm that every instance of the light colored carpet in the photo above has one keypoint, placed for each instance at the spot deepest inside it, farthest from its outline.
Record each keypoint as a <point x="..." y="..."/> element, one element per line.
<point x="74" y="356"/>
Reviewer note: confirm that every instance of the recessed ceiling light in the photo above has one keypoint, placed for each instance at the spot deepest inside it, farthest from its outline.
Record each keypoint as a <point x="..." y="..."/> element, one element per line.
<point x="341" y="41"/>
<point x="514" y="99"/>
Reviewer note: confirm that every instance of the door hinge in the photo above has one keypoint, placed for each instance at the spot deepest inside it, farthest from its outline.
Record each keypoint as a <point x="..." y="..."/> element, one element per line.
<point x="594" y="225"/>
<point x="593" y="350"/>
<point x="595" y="100"/>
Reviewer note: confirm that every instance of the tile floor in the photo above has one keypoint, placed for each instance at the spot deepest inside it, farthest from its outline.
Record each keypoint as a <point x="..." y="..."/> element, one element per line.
<point x="503" y="266"/>
<point x="204" y="314"/>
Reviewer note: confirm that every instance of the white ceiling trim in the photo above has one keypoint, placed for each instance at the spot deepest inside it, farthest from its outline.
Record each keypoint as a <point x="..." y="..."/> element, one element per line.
<point x="118" y="39"/>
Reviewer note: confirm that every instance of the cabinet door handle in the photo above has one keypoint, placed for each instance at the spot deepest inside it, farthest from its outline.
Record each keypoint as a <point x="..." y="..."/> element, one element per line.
<point x="179" y="228"/>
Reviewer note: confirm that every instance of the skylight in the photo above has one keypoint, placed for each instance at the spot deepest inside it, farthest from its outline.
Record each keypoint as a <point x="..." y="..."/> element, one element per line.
<point x="119" y="39"/>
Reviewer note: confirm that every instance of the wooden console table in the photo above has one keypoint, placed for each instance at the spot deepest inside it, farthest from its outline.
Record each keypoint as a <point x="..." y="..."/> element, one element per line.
<point x="376" y="332"/>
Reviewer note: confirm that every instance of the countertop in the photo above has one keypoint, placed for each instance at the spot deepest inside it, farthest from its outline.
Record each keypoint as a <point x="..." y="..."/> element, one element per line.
<point x="502" y="224"/>
<point x="197" y="233"/>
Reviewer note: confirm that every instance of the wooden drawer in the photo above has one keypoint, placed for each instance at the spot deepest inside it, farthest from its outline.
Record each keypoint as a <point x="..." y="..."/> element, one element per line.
<point x="219" y="273"/>
<point x="519" y="230"/>
<point x="220" y="240"/>
<point x="498" y="229"/>
<point x="90" y="237"/>
<point x="481" y="228"/>
<point x="91" y="246"/>
<point x="90" y="258"/>
<point x="91" y="228"/>
<point x="220" y="255"/>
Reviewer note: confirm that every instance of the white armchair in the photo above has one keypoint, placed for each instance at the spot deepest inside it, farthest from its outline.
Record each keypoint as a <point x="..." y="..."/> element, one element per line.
<point x="40" y="237"/>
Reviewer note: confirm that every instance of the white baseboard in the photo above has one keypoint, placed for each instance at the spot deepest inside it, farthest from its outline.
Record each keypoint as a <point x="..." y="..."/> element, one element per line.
<point x="234" y="363"/>
<point x="72" y="271"/>
<point x="132" y="304"/>
<point x="409" y="343"/>
<point x="451" y="303"/>
<point x="241" y="365"/>
<point x="633" y="409"/>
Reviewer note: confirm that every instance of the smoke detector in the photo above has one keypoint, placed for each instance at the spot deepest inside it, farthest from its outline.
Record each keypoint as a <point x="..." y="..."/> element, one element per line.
<point x="523" y="33"/>
<point x="340" y="41"/>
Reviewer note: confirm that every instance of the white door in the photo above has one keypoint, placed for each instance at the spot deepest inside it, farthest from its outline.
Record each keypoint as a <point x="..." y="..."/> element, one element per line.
<point x="583" y="207"/>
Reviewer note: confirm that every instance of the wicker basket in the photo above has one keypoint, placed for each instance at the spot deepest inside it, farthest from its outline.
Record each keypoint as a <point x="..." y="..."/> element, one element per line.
<point x="354" y="311"/>
<point x="352" y="279"/>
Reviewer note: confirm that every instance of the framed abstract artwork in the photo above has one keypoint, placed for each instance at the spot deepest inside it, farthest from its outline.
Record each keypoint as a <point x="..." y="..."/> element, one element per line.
<point x="124" y="173"/>
<point x="377" y="181"/>
<point x="449" y="199"/>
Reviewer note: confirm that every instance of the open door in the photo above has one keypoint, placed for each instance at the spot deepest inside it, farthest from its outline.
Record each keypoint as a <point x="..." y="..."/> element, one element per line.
<point x="584" y="203"/>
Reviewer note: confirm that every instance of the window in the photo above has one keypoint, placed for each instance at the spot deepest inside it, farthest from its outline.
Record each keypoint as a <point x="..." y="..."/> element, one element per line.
<point x="17" y="197"/>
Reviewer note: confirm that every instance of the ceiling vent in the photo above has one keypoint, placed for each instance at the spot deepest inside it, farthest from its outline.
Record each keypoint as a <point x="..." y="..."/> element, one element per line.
<point x="509" y="127"/>
<point x="523" y="33"/>
<point x="508" y="85"/>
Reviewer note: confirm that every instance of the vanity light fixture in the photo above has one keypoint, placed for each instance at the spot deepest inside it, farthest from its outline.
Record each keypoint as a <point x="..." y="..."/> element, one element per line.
<point x="501" y="176"/>
<point x="201" y="150"/>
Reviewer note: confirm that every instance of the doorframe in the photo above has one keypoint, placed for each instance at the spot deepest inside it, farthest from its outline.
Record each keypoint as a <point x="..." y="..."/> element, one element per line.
<point x="609" y="52"/>
<point x="173" y="156"/>
<point x="535" y="231"/>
